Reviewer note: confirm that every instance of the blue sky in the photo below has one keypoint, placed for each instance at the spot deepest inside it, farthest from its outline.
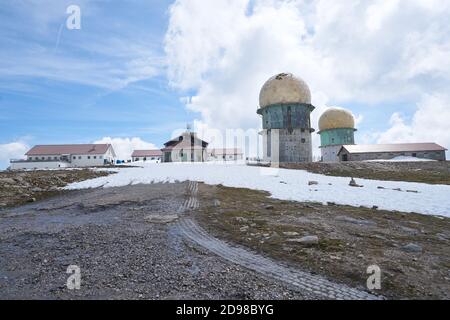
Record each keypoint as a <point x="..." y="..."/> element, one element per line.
<point x="144" y="68"/>
<point x="43" y="99"/>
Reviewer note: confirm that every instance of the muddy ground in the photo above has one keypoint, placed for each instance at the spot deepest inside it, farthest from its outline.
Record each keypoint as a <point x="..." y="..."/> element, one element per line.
<point x="412" y="250"/>
<point x="434" y="172"/>
<point x="20" y="187"/>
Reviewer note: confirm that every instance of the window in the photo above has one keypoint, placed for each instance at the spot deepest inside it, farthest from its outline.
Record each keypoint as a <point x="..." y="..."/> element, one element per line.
<point x="74" y="157"/>
<point x="79" y="157"/>
<point x="89" y="157"/>
<point x="43" y="158"/>
<point x="100" y="157"/>
<point x="303" y="140"/>
<point x="414" y="154"/>
<point x="95" y="157"/>
<point x="56" y="158"/>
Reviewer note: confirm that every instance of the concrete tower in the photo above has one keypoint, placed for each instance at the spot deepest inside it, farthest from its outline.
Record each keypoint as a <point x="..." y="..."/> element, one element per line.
<point x="285" y="107"/>
<point x="336" y="128"/>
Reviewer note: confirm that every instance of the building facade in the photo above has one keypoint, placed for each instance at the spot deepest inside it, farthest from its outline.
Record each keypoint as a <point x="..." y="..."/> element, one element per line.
<point x="66" y="156"/>
<point x="146" y="155"/>
<point x="336" y="128"/>
<point x="185" y="148"/>
<point x="225" y="154"/>
<point x="361" y="152"/>
<point x="285" y="107"/>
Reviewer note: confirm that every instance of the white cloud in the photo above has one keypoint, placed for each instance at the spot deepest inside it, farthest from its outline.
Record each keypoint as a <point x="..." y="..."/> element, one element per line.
<point x="359" y="51"/>
<point x="124" y="146"/>
<point x="429" y="123"/>
<point x="13" y="150"/>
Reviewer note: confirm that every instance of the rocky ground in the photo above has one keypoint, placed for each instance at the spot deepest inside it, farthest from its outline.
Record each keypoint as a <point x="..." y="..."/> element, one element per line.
<point x="128" y="243"/>
<point x="435" y="172"/>
<point x="124" y="248"/>
<point x="19" y="187"/>
<point x="338" y="242"/>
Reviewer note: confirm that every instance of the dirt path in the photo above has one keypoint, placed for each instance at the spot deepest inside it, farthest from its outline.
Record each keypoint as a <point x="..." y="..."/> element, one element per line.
<point x="127" y="246"/>
<point x="195" y="241"/>
<point x="269" y="268"/>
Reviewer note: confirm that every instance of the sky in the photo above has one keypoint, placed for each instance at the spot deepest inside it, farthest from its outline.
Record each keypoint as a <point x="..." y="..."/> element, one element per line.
<point x="135" y="73"/>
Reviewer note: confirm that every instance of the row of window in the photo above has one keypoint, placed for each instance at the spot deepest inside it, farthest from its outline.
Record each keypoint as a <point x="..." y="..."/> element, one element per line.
<point x="145" y="158"/>
<point x="88" y="157"/>
<point x="60" y="158"/>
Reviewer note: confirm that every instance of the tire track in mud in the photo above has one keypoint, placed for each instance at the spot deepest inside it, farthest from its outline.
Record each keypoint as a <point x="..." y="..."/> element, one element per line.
<point x="262" y="265"/>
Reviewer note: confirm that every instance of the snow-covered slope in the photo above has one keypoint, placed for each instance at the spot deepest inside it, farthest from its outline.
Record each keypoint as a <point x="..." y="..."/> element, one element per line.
<point x="289" y="185"/>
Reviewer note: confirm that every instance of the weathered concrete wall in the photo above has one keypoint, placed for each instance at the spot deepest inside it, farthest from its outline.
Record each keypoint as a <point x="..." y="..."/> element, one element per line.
<point x="287" y="132"/>
<point x="284" y="145"/>
<point x="329" y="153"/>
<point x="433" y="155"/>
<point x="339" y="136"/>
<point x="286" y="116"/>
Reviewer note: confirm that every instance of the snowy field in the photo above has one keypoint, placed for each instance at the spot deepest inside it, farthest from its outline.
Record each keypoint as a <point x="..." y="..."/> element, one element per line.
<point x="288" y="184"/>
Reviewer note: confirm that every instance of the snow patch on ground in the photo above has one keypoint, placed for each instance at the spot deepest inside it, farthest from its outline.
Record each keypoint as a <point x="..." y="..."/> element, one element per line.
<point x="288" y="184"/>
<point x="400" y="159"/>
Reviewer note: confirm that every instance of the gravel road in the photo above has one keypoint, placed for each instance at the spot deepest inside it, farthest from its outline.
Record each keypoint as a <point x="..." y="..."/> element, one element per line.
<point x="128" y="246"/>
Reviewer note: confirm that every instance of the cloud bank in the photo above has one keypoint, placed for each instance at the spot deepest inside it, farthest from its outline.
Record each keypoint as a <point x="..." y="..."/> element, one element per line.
<point x="348" y="52"/>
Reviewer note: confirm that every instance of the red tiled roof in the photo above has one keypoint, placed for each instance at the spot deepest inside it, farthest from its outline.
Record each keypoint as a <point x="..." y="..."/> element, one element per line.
<point x="68" y="149"/>
<point x="394" y="147"/>
<point x="146" y="153"/>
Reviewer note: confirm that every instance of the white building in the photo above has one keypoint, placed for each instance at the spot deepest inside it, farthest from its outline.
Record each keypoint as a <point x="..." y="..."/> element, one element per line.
<point x="225" y="154"/>
<point x="66" y="156"/>
<point x="147" y="155"/>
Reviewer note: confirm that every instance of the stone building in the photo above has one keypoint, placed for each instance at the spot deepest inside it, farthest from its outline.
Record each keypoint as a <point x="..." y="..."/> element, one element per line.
<point x="336" y="128"/>
<point x="185" y="148"/>
<point x="285" y="107"/>
<point x="362" y="152"/>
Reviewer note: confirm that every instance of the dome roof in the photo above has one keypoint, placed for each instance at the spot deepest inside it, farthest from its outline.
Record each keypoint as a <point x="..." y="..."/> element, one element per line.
<point x="284" y="88"/>
<point x="334" y="118"/>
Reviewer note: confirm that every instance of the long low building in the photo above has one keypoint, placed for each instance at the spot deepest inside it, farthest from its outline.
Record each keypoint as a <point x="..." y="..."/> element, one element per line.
<point x="146" y="155"/>
<point x="66" y="156"/>
<point x="362" y="152"/>
<point x="225" y="154"/>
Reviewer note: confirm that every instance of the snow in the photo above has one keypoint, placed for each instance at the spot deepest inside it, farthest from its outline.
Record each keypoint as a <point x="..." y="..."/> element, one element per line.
<point x="288" y="184"/>
<point x="400" y="159"/>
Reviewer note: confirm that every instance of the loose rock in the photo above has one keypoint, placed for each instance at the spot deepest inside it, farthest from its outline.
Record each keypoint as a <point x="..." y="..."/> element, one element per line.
<point x="307" y="240"/>
<point x="412" y="247"/>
